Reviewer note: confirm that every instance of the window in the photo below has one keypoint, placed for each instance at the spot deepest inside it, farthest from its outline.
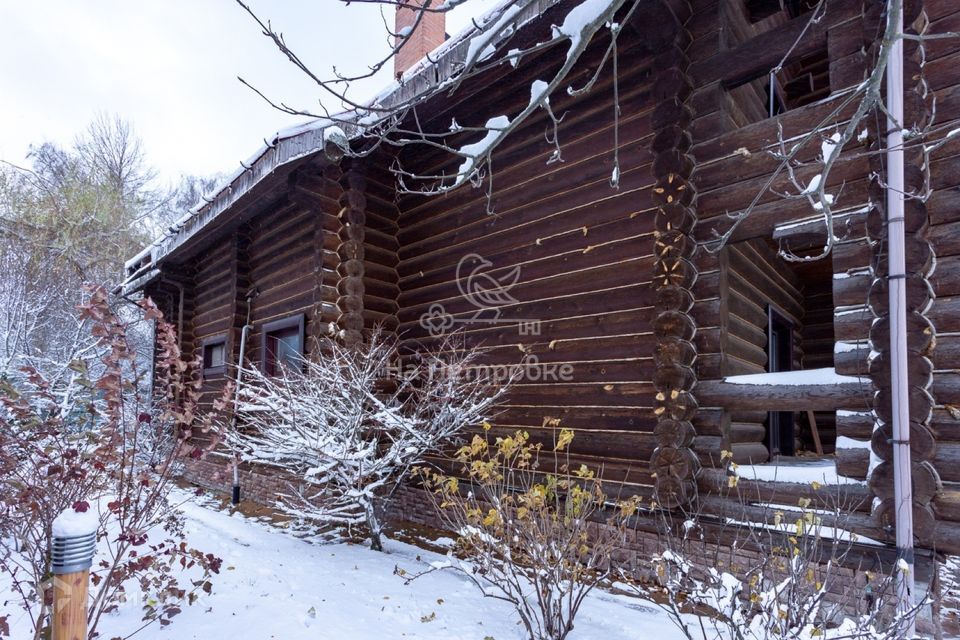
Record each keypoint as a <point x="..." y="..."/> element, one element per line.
<point x="214" y="355"/>
<point x="282" y="345"/>
<point x="799" y="83"/>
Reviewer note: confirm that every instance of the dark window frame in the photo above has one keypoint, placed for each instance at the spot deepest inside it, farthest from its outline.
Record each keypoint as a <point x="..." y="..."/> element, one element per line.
<point x="781" y="425"/>
<point x="297" y="322"/>
<point x="208" y="343"/>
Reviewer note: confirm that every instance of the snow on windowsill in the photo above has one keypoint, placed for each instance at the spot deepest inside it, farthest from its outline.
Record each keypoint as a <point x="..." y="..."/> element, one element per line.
<point x="827" y="375"/>
<point x="823" y="471"/>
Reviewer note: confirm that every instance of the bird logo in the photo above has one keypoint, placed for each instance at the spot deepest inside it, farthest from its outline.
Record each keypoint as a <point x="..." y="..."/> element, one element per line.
<point x="483" y="290"/>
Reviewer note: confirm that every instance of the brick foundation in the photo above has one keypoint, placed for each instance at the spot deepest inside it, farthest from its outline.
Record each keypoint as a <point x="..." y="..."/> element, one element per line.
<point x="638" y="549"/>
<point x="257" y="485"/>
<point x="854" y="587"/>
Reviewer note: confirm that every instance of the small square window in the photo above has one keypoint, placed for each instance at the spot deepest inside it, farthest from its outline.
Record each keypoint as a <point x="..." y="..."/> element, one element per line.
<point x="214" y="355"/>
<point x="283" y="345"/>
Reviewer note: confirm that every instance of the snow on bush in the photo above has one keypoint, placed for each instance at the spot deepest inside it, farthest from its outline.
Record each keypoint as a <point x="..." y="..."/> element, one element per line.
<point x="81" y="458"/>
<point x="347" y="428"/>
<point x="796" y="588"/>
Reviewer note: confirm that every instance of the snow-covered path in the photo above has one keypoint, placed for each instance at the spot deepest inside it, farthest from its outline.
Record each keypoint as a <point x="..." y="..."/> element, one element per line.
<point x="274" y="585"/>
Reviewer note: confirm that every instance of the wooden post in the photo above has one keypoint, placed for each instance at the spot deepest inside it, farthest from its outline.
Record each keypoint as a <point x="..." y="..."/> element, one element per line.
<point x="71" y="556"/>
<point x="817" y="445"/>
<point x="70" y="605"/>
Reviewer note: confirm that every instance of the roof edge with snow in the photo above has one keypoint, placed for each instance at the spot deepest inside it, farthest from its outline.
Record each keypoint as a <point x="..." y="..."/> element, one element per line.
<point x="313" y="137"/>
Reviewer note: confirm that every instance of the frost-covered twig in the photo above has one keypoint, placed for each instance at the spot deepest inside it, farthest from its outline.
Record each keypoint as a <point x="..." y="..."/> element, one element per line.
<point x="347" y="428"/>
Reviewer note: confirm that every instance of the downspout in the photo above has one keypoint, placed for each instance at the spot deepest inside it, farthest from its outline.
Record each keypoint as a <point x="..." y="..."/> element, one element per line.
<point x="896" y="275"/>
<point x="235" y="494"/>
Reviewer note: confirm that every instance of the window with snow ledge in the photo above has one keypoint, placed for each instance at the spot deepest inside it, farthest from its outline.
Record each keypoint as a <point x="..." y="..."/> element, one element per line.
<point x="214" y="355"/>
<point x="282" y="345"/>
<point x="779" y="339"/>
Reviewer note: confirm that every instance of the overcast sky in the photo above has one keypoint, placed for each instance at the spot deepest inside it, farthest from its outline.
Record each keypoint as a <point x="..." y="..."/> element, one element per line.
<point x="170" y="67"/>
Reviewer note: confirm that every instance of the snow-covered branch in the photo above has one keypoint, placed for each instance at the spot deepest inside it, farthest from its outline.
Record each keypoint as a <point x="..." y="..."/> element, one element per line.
<point x="348" y="427"/>
<point x="393" y="121"/>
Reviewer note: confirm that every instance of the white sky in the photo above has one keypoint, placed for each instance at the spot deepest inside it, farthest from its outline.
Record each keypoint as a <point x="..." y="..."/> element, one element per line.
<point x="170" y="67"/>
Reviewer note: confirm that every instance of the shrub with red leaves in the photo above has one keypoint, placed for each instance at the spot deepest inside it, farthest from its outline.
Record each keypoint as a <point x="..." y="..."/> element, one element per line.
<point x="105" y="445"/>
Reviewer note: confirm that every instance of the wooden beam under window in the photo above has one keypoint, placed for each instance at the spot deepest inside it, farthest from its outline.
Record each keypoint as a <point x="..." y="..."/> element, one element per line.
<point x="784" y="397"/>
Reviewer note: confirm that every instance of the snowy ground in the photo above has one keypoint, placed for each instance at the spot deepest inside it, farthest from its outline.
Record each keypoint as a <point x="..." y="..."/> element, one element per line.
<point x="274" y="585"/>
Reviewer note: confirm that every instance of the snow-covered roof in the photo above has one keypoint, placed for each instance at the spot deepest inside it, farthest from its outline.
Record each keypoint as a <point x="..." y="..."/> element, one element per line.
<point x="314" y="136"/>
<point x="282" y="148"/>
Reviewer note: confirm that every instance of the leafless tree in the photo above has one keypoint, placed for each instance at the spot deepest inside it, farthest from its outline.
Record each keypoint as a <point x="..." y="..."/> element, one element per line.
<point x="397" y="124"/>
<point x="71" y="217"/>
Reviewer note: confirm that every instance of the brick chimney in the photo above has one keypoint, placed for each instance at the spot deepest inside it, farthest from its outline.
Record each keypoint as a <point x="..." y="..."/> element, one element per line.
<point x="429" y="35"/>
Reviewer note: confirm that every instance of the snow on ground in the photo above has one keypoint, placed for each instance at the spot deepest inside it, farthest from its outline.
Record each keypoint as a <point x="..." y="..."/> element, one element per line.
<point x="275" y="585"/>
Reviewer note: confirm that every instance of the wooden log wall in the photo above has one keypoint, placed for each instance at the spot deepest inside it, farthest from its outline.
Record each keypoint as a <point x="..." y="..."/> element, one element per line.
<point x="239" y="277"/>
<point x="943" y="209"/>
<point x="674" y="461"/>
<point x="352" y="253"/>
<point x="731" y="136"/>
<point x="284" y="253"/>
<point x="380" y="279"/>
<point x="209" y="306"/>
<point x="725" y="147"/>
<point x="931" y="284"/>
<point x="584" y="252"/>
<point x="317" y="194"/>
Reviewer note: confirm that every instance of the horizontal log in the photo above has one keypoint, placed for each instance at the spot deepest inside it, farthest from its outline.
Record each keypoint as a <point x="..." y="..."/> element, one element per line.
<point x="855" y="424"/>
<point x="784" y="397"/>
<point x="747" y="432"/>
<point x="850" y="358"/>
<point x="579" y="418"/>
<point x="749" y="452"/>
<point x="946" y="506"/>
<point x="853" y="462"/>
<point x="851" y="496"/>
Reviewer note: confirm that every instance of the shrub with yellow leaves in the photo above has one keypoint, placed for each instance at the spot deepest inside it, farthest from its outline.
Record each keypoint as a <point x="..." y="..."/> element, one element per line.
<point x="527" y="520"/>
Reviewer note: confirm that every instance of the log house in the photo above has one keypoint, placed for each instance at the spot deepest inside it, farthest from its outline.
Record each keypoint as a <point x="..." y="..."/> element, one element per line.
<point x="679" y="351"/>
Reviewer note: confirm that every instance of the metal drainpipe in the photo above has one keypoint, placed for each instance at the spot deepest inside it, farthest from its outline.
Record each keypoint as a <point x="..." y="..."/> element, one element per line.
<point x="896" y="275"/>
<point x="235" y="494"/>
